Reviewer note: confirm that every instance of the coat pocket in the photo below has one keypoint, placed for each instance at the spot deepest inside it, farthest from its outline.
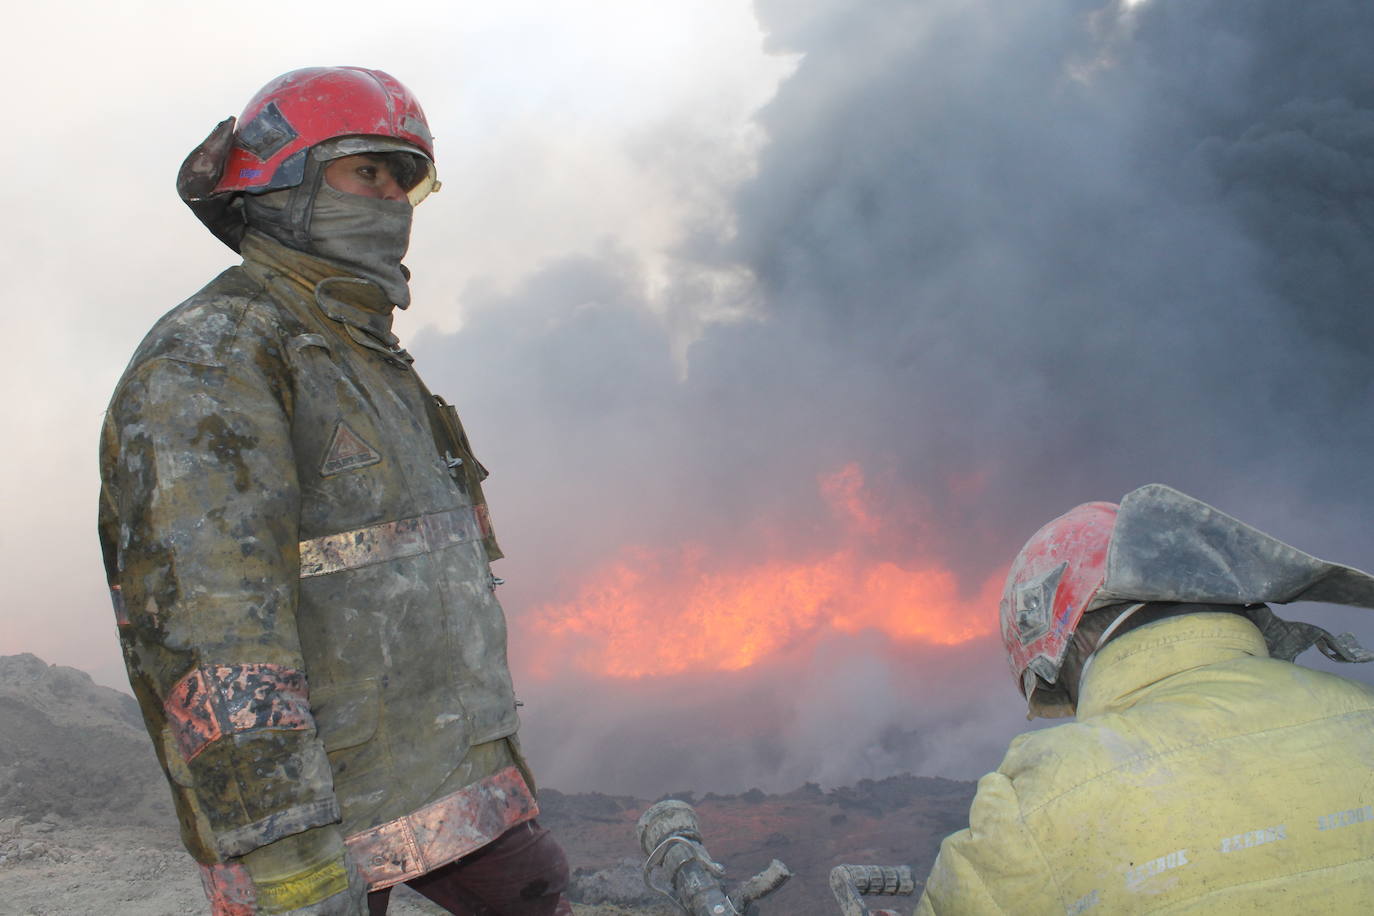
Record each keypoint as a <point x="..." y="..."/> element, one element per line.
<point x="346" y="714"/>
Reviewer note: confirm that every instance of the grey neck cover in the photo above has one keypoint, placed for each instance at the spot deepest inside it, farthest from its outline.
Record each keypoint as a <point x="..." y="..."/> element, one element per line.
<point x="1169" y="547"/>
<point x="364" y="235"/>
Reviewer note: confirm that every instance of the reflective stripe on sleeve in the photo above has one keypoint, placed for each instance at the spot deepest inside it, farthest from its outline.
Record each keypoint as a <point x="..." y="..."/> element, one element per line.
<point x="212" y="702"/>
<point x="407" y="537"/>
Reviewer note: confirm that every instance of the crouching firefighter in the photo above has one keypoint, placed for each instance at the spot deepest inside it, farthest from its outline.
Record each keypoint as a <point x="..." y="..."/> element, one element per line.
<point x="299" y="550"/>
<point x="1205" y="771"/>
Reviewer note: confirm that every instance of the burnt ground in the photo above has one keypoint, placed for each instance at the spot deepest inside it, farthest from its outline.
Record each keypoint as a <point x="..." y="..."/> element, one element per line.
<point x="895" y="821"/>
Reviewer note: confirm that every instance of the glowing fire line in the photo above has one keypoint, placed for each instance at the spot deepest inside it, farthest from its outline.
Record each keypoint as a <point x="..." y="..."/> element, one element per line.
<point x="667" y="611"/>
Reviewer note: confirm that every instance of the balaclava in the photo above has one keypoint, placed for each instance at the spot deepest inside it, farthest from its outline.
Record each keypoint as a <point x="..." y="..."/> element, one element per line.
<point x="367" y="236"/>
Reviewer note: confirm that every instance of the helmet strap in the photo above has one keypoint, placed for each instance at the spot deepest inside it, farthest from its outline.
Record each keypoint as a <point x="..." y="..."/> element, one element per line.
<point x="301" y="202"/>
<point x="1102" y="641"/>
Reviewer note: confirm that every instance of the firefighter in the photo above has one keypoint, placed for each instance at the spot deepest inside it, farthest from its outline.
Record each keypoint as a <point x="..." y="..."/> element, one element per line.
<point x="298" y="547"/>
<point x="1204" y="771"/>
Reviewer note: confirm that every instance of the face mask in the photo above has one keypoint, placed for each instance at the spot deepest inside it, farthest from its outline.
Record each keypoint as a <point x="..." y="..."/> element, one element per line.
<point x="367" y="235"/>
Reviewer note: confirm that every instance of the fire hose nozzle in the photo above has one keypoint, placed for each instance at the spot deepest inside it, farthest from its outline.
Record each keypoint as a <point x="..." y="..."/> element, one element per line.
<point x="665" y="819"/>
<point x="679" y="867"/>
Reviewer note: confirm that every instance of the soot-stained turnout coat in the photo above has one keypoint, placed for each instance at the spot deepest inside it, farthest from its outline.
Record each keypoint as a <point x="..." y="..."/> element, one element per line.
<point x="1202" y="776"/>
<point x="298" y="548"/>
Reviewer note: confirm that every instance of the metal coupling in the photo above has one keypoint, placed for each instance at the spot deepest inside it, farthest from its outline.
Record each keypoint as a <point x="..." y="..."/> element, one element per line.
<point x="850" y="883"/>
<point x="452" y="463"/>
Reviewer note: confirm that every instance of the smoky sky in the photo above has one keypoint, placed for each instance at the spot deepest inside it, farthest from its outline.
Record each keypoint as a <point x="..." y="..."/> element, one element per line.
<point x="1009" y="258"/>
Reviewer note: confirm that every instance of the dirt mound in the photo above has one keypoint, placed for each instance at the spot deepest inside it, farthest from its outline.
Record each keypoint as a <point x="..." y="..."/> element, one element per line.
<point x="74" y="750"/>
<point x="66" y="696"/>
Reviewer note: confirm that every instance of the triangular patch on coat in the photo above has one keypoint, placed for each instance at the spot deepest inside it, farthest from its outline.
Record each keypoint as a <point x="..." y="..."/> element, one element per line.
<point x="347" y="450"/>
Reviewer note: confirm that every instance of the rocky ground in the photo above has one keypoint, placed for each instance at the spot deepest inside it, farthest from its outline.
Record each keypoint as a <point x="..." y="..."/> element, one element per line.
<point x="86" y="829"/>
<point x="57" y="869"/>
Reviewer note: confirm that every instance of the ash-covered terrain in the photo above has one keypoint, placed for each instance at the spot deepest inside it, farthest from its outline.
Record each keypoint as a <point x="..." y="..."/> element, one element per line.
<point x="86" y="826"/>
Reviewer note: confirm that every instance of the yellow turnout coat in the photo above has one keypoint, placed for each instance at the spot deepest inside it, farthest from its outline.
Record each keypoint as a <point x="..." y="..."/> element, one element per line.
<point x="1200" y="776"/>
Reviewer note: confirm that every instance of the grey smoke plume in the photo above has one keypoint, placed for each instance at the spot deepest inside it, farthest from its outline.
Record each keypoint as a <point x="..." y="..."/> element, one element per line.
<point x="1010" y="258"/>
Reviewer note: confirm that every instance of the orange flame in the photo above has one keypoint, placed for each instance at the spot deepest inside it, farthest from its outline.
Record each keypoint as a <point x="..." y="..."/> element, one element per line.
<point x="659" y="612"/>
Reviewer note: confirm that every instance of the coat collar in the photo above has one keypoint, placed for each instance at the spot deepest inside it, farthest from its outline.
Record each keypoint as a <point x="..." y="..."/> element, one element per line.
<point x="1125" y="667"/>
<point x="359" y="305"/>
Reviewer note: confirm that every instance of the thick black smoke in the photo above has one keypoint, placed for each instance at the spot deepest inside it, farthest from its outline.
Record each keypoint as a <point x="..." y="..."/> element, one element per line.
<point x="1010" y="257"/>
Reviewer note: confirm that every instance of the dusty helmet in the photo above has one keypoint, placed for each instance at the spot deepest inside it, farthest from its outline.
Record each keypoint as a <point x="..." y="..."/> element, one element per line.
<point x="304" y="108"/>
<point x="1160" y="545"/>
<point x="290" y="130"/>
<point x="1056" y="579"/>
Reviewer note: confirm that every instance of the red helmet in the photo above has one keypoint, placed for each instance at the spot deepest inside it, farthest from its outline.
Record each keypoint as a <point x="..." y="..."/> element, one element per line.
<point x="1056" y="579"/>
<point x="305" y="107"/>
